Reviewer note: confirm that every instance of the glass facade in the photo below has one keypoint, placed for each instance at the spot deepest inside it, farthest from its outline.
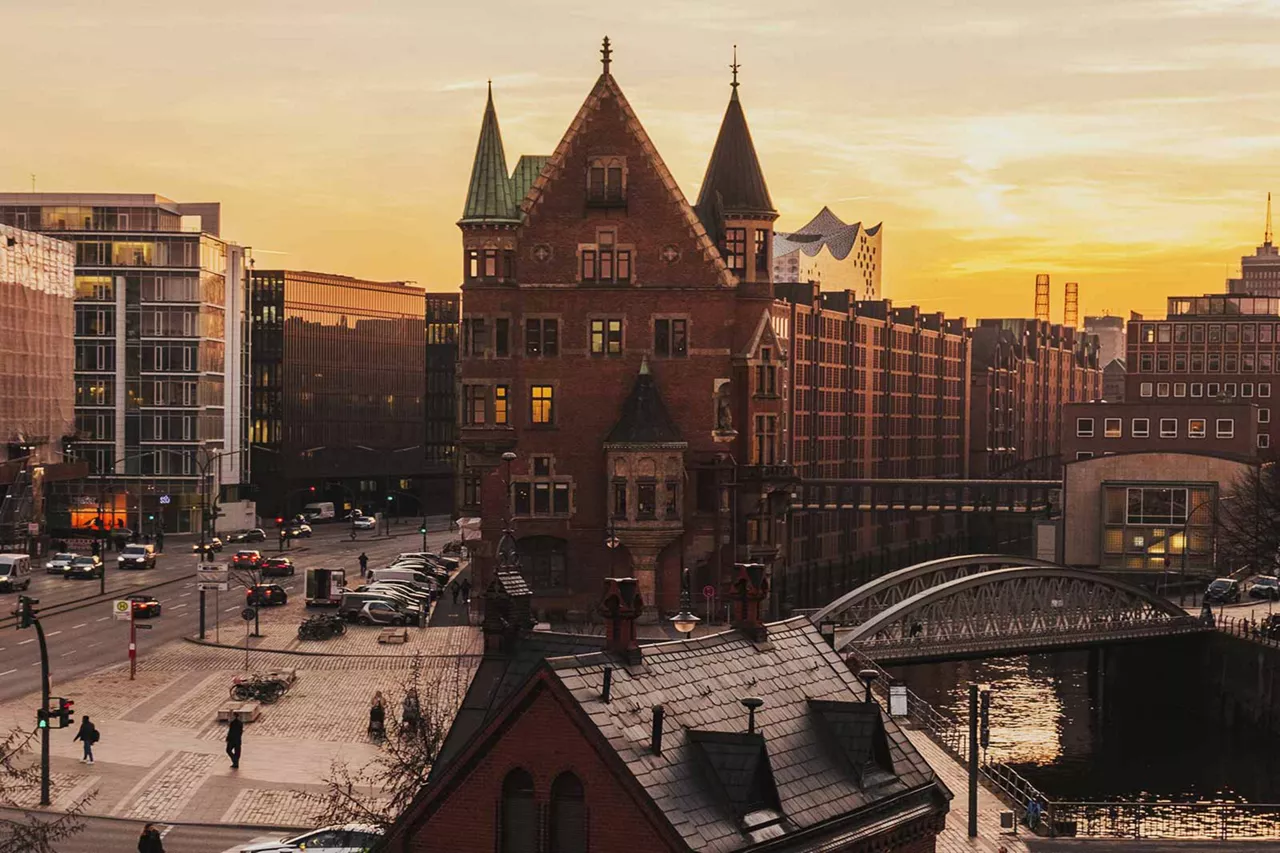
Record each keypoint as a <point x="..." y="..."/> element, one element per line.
<point x="151" y="338"/>
<point x="337" y="391"/>
<point x="443" y="313"/>
<point x="1158" y="526"/>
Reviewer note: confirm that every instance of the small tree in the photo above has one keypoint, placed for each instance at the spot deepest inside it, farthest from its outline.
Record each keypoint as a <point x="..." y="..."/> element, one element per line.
<point x="29" y="831"/>
<point x="248" y="577"/>
<point x="379" y="792"/>
<point x="1248" y="521"/>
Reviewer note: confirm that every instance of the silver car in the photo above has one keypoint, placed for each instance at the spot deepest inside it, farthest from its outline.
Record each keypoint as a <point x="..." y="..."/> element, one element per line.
<point x="59" y="562"/>
<point x="347" y="838"/>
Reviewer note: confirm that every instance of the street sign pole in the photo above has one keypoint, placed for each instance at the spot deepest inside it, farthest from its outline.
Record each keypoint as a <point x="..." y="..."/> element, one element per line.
<point x="709" y="593"/>
<point x="202" y="614"/>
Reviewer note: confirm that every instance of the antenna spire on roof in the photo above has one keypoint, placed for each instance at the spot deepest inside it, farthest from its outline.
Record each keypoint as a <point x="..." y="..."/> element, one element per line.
<point x="1266" y="237"/>
<point x="734" y="67"/>
<point x="605" y="54"/>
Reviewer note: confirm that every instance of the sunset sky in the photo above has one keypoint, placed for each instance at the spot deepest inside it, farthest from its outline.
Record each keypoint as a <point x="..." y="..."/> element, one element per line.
<point x="1126" y="144"/>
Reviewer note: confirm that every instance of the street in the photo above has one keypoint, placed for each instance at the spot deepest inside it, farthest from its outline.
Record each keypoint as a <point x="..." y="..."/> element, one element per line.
<point x="105" y="835"/>
<point x="82" y="639"/>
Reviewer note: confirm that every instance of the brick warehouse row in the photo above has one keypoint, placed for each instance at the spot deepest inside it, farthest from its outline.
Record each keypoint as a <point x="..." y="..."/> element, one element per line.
<point x="660" y="393"/>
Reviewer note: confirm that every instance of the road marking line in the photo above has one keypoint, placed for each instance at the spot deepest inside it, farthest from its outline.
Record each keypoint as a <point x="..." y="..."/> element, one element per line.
<point x="64" y="654"/>
<point x="37" y="663"/>
<point x="184" y="595"/>
<point x="228" y="610"/>
<point x="24" y="642"/>
<point x="103" y="619"/>
<point x="53" y="634"/>
<point x="91" y="645"/>
<point x="81" y="625"/>
<point x="176" y="606"/>
<point x="8" y="672"/>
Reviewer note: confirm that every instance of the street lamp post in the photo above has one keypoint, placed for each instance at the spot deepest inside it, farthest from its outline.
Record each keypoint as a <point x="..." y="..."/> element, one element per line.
<point x="686" y="620"/>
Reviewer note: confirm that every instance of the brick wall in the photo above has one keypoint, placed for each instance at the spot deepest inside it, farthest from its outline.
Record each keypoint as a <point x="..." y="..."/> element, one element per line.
<point x="545" y="742"/>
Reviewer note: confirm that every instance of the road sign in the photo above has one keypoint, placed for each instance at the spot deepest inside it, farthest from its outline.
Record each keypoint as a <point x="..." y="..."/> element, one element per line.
<point x="248" y="613"/>
<point x="122" y="609"/>
<point x="213" y="587"/>
<point x="708" y="592"/>
<point x="164" y="499"/>
<point x="33" y="527"/>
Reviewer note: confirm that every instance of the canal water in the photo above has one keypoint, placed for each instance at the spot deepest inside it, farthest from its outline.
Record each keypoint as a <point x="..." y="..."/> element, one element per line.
<point x="1131" y="722"/>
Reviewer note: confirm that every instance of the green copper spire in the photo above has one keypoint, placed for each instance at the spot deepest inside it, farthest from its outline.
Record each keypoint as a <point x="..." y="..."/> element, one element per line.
<point x="490" y="197"/>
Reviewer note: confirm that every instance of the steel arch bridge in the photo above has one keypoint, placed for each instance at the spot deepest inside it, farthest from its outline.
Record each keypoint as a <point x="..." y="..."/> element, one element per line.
<point x="999" y="609"/>
<point x="876" y="596"/>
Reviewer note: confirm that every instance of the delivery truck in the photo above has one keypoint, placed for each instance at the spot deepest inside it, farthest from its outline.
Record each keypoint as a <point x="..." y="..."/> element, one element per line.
<point x="325" y="586"/>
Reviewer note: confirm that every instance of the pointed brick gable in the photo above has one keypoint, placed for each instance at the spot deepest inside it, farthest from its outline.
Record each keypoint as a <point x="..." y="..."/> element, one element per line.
<point x="670" y="245"/>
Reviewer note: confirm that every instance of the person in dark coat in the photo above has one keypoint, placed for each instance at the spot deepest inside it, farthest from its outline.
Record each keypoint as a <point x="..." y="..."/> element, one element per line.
<point x="364" y="564"/>
<point x="88" y="736"/>
<point x="453" y="588"/>
<point x="160" y="541"/>
<point x="466" y="590"/>
<point x="235" y="731"/>
<point x="149" y="841"/>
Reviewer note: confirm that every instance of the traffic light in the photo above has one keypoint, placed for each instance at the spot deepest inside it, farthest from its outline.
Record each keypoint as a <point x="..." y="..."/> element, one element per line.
<point x="42" y="718"/>
<point x="313" y="489"/>
<point x="150" y="517"/>
<point x="27" y="611"/>
<point x="66" y="712"/>
<point x="279" y="521"/>
<point x="423" y="530"/>
<point x="390" y="498"/>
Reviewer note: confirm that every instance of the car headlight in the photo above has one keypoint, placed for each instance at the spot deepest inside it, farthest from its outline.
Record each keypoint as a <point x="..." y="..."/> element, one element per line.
<point x="119" y="559"/>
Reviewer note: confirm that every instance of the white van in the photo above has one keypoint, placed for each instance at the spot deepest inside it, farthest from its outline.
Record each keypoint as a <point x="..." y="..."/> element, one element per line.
<point x="420" y="580"/>
<point x="15" y="572"/>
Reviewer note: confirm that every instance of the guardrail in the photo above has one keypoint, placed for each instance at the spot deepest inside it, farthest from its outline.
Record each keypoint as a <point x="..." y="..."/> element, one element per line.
<point x="1247" y="629"/>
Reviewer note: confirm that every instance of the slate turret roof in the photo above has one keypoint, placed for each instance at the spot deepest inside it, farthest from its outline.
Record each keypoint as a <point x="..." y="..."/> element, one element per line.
<point x="644" y="418"/>
<point x="734" y="182"/>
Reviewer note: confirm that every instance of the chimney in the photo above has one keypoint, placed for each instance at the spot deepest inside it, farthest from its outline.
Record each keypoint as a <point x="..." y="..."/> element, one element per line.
<point x="749" y="588"/>
<point x="621" y="606"/>
<point x="658" y="713"/>
<point x="606" y="693"/>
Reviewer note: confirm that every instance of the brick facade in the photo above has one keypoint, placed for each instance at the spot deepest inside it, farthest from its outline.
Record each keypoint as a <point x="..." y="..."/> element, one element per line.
<point x="1213" y="347"/>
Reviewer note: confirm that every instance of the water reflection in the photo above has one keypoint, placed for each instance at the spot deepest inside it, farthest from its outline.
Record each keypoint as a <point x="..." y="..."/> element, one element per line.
<point x="1133" y="722"/>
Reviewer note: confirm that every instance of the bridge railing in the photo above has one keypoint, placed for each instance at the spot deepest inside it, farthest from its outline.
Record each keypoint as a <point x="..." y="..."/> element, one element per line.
<point x="1247" y="629"/>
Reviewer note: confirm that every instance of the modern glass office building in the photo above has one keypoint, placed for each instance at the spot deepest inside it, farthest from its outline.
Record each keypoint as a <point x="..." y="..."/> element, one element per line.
<point x="160" y="353"/>
<point x="338" y="385"/>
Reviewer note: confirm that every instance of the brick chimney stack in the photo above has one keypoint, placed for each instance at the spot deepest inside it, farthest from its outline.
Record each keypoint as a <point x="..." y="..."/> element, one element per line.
<point x="749" y="587"/>
<point x="621" y="606"/>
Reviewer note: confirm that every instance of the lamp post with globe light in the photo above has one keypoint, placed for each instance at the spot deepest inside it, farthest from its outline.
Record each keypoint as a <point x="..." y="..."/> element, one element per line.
<point x="686" y="620"/>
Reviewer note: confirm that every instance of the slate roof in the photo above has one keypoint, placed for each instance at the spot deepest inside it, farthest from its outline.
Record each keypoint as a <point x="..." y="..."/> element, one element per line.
<point x="734" y="182"/>
<point x="644" y="418"/>
<point x="824" y="230"/>
<point x="490" y="197"/>
<point x="528" y="167"/>
<point x="499" y="676"/>
<point x="700" y="683"/>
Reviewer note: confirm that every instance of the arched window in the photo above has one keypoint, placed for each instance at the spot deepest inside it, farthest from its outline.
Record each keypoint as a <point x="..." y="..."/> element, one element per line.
<point x="568" y="815"/>
<point x="518" y="821"/>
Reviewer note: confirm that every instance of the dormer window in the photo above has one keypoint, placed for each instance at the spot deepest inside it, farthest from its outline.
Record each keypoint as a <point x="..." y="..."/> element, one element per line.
<point x="607" y="182"/>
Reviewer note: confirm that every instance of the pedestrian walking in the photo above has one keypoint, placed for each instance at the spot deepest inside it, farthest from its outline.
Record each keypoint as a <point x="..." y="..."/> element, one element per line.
<point x="235" y="732"/>
<point x="453" y="588"/>
<point x="149" y="841"/>
<point x="377" y="717"/>
<point x="160" y="541"/>
<point x="410" y="711"/>
<point x="364" y="564"/>
<point x="88" y="736"/>
<point x="466" y="590"/>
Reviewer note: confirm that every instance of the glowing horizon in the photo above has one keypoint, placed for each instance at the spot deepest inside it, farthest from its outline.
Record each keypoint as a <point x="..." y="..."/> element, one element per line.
<point x="1128" y="147"/>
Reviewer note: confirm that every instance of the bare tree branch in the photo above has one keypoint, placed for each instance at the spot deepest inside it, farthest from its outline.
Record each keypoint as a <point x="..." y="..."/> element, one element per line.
<point x="32" y="831"/>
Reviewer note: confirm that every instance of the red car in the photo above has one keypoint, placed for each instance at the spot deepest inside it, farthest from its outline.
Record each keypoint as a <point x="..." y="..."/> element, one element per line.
<point x="265" y="595"/>
<point x="247" y="559"/>
<point x="144" y="606"/>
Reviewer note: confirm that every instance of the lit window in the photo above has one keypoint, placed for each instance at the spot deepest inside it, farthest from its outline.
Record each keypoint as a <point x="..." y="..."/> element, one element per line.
<point x="1084" y="427"/>
<point x="1168" y="428"/>
<point x="1141" y="428"/>
<point x="1195" y="428"/>
<point x="1111" y="428"/>
<point x="500" y="403"/>
<point x="606" y="337"/>
<point x="1226" y="428"/>
<point x="540" y="404"/>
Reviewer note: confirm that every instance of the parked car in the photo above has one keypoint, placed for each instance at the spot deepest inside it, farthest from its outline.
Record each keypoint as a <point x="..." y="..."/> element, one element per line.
<point x="144" y="606"/>
<point x="257" y="534"/>
<point x="266" y="595"/>
<point x="1265" y="586"/>
<point x="246" y="559"/>
<point x="214" y="544"/>
<point x="364" y="522"/>
<point x="352" y="605"/>
<point x="381" y="613"/>
<point x="1222" y="591"/>
<point x="58" y="562"/>
<point x="277" y="567"/>
<point x="84" y="568"/>
<point x="137" y="557"/>
<point x="347" y="838"/>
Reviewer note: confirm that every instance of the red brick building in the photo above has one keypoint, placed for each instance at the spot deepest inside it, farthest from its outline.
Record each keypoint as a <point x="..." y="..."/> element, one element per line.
<point x="1023" y="373"/>
<point x="1207" y="427"/>
<point x="1214" y="347"/>
<point x="758" y="738"/>
<point x="630" y="350"/>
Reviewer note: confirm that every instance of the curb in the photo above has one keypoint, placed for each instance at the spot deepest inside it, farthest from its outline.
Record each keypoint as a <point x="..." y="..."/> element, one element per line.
<point x="196" y="641"/>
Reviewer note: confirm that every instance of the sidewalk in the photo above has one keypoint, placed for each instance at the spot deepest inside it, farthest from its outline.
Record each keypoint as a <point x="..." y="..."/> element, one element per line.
<point x="161" y="756"/>
<point x="955" y="837"/>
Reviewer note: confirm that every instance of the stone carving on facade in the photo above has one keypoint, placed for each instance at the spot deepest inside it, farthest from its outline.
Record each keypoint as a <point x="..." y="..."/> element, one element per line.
<point x="724" y="409"/>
